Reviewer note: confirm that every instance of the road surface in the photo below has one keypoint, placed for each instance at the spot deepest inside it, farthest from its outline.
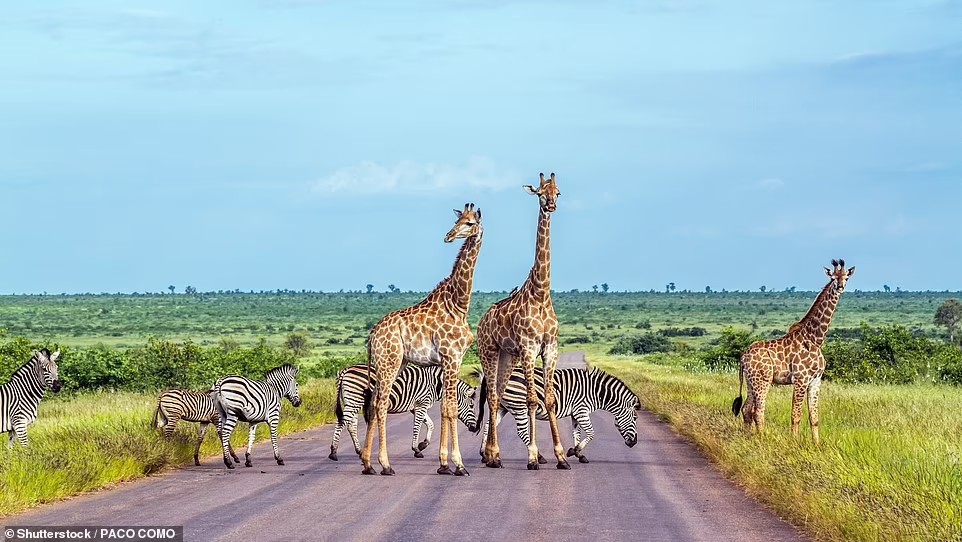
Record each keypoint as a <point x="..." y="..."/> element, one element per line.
<point x="662" y="489"/>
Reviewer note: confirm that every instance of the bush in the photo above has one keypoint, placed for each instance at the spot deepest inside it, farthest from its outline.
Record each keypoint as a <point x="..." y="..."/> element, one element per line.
<point x="648" y="343"/>
<point x="890" y="355"/>
<point x="726" y="351"/>
<point x="683" y="332"/>
<point x="575" y="340"/>
<point x="297" y="343"/>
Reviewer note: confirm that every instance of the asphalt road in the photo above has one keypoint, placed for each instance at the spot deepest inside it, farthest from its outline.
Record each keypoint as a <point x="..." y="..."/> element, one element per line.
<point x="662" y="489"/>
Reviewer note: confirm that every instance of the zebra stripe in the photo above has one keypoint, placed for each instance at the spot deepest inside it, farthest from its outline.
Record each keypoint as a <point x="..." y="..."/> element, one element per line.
<point x="191" y="406"/>
<point x="415" y="390"/>
<point x="254" y="401"/>
<point x="578" y="393"/>
<point x="21" y="395"/>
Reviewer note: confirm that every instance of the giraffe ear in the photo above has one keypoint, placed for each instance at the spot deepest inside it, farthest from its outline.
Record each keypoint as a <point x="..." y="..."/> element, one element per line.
<point x="851" y="271"/>
<point x="457" y="213"/>
<point x="530" y="189"/>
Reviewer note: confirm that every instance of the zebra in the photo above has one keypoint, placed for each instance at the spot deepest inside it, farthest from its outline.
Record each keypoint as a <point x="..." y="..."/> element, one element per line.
<point x="239" y="398"/>
<point x="579" y="392"/>
<point x="415" y="390"/>
<point x="20" y="397"/>
<point x="193" y="406"/>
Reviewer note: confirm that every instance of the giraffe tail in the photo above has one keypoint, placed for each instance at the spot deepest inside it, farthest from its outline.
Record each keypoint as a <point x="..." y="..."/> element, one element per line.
<point x="482" y="399"/>
<point x="737" y="403"/>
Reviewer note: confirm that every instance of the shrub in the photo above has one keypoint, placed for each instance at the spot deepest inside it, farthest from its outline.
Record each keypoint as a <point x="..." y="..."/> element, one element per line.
<point x="648" y="343"/>
<point x="297" y="343"/>
<point x="727" y="349"/>
<point x="683" y="332"/>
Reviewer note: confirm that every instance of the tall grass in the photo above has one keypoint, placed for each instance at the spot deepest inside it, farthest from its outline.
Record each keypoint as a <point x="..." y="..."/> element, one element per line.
<point x="888" y="467"/>
<point x="89" y="441"/>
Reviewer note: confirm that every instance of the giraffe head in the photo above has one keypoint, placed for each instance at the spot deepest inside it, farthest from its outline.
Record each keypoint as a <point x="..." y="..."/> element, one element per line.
<point x="468" y="224"/>
<point x="547" y="193"/>
<point x="839" y="274"/>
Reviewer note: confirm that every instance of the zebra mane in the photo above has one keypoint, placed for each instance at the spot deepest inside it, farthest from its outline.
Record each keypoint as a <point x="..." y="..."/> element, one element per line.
<point x="282" y="370"/>
<point x="594" y="372"/>
<point x="34" y="361"/>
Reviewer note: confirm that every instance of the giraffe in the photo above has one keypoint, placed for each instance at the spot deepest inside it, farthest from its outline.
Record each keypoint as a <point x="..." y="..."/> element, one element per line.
<point x="522" y="327"/>
<point x="433" y="332"/>
<point x="794" y="359"/>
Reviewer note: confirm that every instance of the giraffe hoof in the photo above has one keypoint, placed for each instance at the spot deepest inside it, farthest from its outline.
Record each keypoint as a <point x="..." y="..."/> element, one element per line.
<point x="563" y="465"/>
<point x="387" y="471"/>
<point x="368" y="470"/>
<point x="444" y="470"/>
<point x="582" y="459"/>
<point x="570" y="452"/>
<point x="461" y="471"/>
<point x="533" y="466"/>
<point x="495" y="464"/>
<point x="332" y="456"/>
<point x="542" y="460"/>
<point x="418" y="454"/>
<point x="280" y="461"/>
<point x="423" y="444"/>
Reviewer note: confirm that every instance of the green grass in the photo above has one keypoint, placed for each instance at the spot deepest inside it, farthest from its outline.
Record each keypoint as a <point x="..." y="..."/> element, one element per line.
<point x="888" y="468"/>
<point x="89" y="441"/>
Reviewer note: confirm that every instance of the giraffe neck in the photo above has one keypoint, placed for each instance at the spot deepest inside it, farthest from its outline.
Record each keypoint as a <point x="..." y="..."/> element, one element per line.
<point x="539" y="280"/>
<point x="462" y="276"/>
<point x="815" y="324"/>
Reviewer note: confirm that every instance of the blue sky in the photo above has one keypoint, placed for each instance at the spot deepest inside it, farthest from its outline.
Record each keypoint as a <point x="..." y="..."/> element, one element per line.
<point x="322" y="144"/>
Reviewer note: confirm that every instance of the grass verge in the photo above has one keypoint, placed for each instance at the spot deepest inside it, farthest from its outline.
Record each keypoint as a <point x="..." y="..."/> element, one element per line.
<point x="888" y="468"/>
<point x="89" y="441"/>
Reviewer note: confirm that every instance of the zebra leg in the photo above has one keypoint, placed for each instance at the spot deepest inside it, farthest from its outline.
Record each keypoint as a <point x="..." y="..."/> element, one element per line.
<point x="576" y="435"/>
<point x="10" y="437"/>
<point x="230" y="448"/>
<point x="20" y="428"/>
<point x="334" y="441"/>
<point x="251" y="433"/>
<point x="227" y="424"/>
<point x="549" y="358"/>
<point x="420" y="415"/>
<point x="273" y="425"/>
<point x="429" y="426"/>
<point x="170" y="425"/>
<point x="202" y="432"/>
<point x="350" y="420"/>
<point x="584" y="422"/>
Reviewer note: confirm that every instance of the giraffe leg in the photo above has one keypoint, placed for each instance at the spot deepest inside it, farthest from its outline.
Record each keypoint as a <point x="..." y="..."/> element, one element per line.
<point x="449" y="417"/>
<point x="799" y="387"/>
<point x="498" y="364"/>
<point x="527" y="364"/>
<point x="761" y="393"/>
<point x="813" y="388"/>
<point x="750" y="407"/>
<point x="550" y="360"/>
<point x="386" y="357"/>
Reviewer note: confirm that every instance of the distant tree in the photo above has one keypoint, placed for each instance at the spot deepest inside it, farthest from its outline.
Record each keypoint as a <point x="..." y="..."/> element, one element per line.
<point x="707" y="289"/>
<point x="671" y="286"/>
<point x="762" y="288"/>
<point x="574" y="291"/>
<point x="370" y="288"/>
<point x="393" y="289"/>
<point x="297" y="343"/>
<point x="887" y="288"/>
<point x="604" y="287"/>
<point x="790" y="289"/>
<point x="948" y="315"/>
<point x="171" y="288"/>
<point x="595" y="288"/>
<point x="190" y="290"/>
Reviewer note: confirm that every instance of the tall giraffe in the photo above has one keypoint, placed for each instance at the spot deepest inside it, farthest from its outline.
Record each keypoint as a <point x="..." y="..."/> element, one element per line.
<point x="794" y="359"/>
<point x="433" y="332"/>
<point x="521" y="328"/>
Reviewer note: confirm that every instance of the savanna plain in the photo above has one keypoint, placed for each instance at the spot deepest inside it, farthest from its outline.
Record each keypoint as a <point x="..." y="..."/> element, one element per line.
<point x="888" y="467"/>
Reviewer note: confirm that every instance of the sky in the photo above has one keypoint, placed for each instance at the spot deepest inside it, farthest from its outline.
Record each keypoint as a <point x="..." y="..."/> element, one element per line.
<point x="321" y="144"/>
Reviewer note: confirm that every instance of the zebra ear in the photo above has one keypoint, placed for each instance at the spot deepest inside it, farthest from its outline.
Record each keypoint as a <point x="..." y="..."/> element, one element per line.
<point x="54" y="356"/>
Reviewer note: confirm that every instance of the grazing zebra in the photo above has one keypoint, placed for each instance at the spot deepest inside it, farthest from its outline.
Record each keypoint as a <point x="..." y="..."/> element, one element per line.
<point x="578" y="392"/>
<point x="254" y="401"/>
<point x="191" y="406"/>
<point x="415" y="390"/>
<point x="20" y="397"/>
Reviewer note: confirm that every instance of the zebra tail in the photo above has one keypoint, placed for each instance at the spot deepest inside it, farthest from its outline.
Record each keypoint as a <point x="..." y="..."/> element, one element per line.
<point x="368" y="398"/>
<point x="339" y="410"/>
<point x="737" y="403"/>
<point x="483" y="398"/>
<point x="156" y="414"/>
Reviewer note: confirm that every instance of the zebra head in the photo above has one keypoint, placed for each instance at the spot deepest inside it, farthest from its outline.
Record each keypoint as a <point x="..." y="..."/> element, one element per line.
<point x="48" y="367"/>
<point x="466" y="413"/>
<point x="621" y="402"/>
<point x="284" y="379"/>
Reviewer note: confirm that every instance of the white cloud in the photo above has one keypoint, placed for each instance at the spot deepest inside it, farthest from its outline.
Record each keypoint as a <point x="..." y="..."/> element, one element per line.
<point x="410" y="176"/>
<point x="769" y="184"/>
